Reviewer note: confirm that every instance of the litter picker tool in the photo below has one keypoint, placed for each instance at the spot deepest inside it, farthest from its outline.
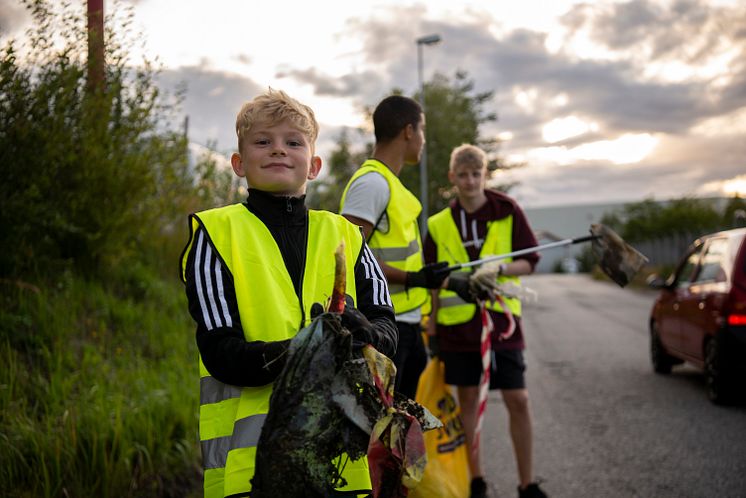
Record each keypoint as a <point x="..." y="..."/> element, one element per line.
<point x="618" y="260"/>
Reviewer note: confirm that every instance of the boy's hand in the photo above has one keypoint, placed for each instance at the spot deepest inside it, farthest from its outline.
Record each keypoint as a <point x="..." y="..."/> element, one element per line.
<point x="429" y="276"/>
<point x="358" y="325"/>
<point x="460" y="284"/>
<point x="316" y="310"/>
<point x="274" y="355"/>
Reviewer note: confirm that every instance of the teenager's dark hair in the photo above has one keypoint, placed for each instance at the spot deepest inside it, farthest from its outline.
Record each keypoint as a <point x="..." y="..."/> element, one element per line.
<point x="393" y="114"/>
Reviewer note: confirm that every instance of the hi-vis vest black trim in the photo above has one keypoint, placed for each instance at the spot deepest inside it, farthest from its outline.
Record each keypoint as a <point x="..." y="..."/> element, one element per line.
<point x="442" y="228"/>
<point x="401" y="246"/>
<point x="231" y="418"/>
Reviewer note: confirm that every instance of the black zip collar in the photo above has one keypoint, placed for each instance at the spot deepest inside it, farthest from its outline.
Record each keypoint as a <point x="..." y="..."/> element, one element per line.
<point x="277" y="210"/>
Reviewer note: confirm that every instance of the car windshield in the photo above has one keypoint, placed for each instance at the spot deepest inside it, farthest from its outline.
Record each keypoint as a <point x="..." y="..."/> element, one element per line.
<point x="685" y="274"/>
<point x="714" y="262"/>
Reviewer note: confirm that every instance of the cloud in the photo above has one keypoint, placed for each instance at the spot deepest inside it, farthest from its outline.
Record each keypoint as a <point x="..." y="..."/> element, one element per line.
<point x="689" y="30"/>
<point x="605" y="91"/>
<point x="211" y="100"/>
<point x="679" y="166"/>
<point x="613" y="89"/>
<point x="348" y="85"/>
<point x="13" y="17"/>
<point x="664" y="69"/>
<point x="609" y="92"/>
<point x="388" y="53"/>
<point x="243" y="59"/>
<point x="612" y="92"/>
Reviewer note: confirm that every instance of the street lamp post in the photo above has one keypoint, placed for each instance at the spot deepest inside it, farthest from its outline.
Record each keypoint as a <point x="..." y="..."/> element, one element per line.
<point x="424" y="40"/>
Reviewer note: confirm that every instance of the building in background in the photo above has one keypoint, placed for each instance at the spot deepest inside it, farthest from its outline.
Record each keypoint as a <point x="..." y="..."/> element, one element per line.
<point x="551" y="224"/>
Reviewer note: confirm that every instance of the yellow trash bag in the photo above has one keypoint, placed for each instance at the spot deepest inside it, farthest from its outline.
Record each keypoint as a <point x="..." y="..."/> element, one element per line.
<point x="447" y="471"/>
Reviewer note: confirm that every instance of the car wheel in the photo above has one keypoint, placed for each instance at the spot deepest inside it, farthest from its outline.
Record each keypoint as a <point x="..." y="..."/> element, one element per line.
<point x="718" y="385"/>
<point x="662" y="361"/>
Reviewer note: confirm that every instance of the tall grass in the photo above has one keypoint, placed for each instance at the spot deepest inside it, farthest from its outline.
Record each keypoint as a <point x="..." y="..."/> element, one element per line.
<point x="98" y="389"/>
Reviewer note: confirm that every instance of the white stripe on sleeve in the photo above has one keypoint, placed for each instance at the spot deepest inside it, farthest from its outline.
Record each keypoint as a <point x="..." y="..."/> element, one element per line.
<point x="209" y="285"/>
<point x="198" y="257"/>
<point x="374" y="273"/>
<point x="221" y="294"/>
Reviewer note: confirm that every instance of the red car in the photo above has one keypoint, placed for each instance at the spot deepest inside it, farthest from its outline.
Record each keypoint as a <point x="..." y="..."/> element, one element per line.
<point x="700" y="314"/>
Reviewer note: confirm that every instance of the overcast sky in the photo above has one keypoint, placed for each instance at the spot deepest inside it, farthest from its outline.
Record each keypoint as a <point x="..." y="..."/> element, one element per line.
<point x="605" y="101"/>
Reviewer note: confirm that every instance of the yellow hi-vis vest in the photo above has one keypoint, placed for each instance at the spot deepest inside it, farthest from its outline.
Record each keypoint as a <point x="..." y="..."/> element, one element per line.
<point x="444" y="232"/>
<point x="401" y="246"/>
<point x="231" y="417"/>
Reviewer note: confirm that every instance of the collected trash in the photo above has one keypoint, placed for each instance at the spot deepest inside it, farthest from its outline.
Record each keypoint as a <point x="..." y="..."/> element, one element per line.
<point x="332" y="404"/>
<point x="483" y="282"/>
<point x="618" y="260"/>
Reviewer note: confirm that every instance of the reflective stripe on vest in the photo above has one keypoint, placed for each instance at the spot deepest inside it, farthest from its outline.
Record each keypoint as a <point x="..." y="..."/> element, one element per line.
<point x="231" y="418"/>
<point x="401" y="246"/>
<point x="396" y="253"/>
<point x="246" y="434"/>
<point x="442" y="228"/>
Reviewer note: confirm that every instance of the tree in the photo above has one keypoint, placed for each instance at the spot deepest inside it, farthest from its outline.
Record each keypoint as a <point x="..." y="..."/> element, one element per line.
<point x="325" y="193"/>
<point x="215" y="185"/>
<point x="89" y="174"/>
<point x="454" y="113"/>
<point x="648" y="219"/>
<point x="734" y="214"/>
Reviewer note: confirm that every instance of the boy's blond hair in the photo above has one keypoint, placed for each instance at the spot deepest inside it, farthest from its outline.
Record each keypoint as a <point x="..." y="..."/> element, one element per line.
<point x="468" y="155"/>
<point x="272" y="107"/>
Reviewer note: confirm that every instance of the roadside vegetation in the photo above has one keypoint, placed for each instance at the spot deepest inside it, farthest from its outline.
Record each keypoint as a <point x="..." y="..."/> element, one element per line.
<point x="98" y="389"/>
<point x="97" y="396"/>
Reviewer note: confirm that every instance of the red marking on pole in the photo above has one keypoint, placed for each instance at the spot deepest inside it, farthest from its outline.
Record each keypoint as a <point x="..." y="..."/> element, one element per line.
<point x="484" y="385"/>
<point x="511" y="321"/>
<point x="488" y="327"/>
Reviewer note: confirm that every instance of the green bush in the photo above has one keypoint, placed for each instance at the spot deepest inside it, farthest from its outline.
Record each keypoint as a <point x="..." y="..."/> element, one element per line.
<point x="90" y="174"/>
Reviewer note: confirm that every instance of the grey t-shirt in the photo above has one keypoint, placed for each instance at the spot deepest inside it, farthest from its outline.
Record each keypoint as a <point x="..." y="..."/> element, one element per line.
<point x="366" y="199"/>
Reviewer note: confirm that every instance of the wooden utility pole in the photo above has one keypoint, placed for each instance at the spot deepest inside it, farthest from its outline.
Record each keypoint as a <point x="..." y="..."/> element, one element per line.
<point x="96" y="63"/>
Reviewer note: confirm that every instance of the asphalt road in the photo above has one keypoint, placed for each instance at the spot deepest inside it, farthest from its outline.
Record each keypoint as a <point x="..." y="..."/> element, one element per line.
<point x="604" y="424"/>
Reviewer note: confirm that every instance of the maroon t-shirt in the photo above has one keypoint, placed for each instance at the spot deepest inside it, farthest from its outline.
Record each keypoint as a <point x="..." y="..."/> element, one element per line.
<point x="473" y="228"/>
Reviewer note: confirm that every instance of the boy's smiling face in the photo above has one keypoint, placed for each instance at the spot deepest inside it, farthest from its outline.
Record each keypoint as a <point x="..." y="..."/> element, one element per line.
<point x="276" y="158"/>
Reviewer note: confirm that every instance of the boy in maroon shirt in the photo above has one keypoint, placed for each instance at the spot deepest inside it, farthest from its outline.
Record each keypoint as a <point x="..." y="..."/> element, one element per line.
<point x="473" y="212"/>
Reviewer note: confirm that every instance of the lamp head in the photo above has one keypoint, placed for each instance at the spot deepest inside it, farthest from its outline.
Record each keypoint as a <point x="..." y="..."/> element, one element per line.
<point x="428" y="40"/>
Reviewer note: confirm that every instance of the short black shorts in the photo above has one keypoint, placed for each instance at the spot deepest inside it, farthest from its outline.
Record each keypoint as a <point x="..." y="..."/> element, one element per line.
<point x="465" y="369"/>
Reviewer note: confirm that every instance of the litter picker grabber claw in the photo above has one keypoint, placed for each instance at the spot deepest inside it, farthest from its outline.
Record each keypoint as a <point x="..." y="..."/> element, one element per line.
<point x="617" y="259"/>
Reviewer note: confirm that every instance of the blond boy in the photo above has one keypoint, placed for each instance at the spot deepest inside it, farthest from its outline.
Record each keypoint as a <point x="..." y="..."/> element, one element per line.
<point x="481" y="222"/>
<point x="252" y="272"/>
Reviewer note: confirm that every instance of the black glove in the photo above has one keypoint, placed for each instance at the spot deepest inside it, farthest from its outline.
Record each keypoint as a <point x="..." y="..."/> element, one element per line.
<point x="429" y="276"/>
<point x="459" y="283"/>
<point x="316" y="310"/>
<point x="359" y="326"/>
<point x="274" y="355"/>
